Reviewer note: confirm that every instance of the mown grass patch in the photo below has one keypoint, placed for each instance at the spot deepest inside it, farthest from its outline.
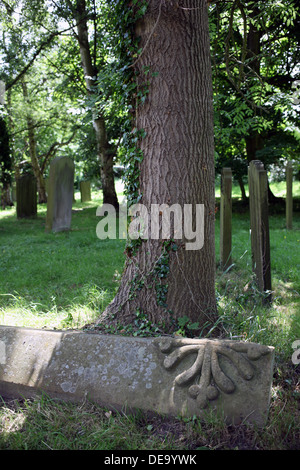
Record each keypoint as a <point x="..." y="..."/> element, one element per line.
<point x="65" y="280"/>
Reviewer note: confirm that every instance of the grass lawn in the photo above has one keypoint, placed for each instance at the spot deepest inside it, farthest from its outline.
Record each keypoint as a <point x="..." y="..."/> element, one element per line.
<point x="65" y="280"/>
<point x="56" y="280"/>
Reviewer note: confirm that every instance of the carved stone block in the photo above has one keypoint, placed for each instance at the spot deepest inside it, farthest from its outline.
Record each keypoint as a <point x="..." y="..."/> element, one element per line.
<point x="171" y="376"/>
<point x="229" y="377"/>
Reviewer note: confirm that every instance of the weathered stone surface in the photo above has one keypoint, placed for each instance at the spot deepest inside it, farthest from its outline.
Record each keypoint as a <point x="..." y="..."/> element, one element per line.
<point x="85" y="191"/>
<point x="171" y="376"/>
<point x="60" y="189"/>
<point x="26" y="192"/>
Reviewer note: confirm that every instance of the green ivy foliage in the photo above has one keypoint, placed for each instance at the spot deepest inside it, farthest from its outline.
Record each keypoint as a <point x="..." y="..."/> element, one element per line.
<point x="253" y="82"/>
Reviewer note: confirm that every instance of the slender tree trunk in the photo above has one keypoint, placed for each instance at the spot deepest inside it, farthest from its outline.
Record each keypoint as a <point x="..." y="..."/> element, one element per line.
<point x="104" y="156"/>
<point x="5" y="166"/>
<point x="6" y="199"/>
<point x="242" y="188"/>
<point x="41" y="186"/>
<point x="165" y="280"/>
<point x="254" y="141"/>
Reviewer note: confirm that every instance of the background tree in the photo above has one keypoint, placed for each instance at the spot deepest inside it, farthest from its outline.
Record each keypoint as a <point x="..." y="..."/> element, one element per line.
<point x="5" y="164"/>
<point x="255" y="48"/>
<point x="34" y="31"/>
<point x="41" y="124"/>
<point x="80" y="14"/>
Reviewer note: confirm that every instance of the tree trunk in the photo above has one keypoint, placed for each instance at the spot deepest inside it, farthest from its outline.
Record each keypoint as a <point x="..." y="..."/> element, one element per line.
<point x="164" y="279"/>
<point x="41" y="186"/>
<point x="104" y="156"/>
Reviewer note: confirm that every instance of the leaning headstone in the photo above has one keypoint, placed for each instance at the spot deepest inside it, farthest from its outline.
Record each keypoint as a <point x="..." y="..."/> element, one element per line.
<point x="85" y="191"/>
<point x="26" y="189"/>
<point x="259" y="223"/>
<point x="172" y="376"/>
<point x="60" y="195"/>
<point x="225" y="218"/>
<point x="289" y="195"/>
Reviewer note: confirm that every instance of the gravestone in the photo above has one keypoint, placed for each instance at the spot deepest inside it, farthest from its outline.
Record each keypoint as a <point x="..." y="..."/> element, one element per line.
<point x="14" y="192"/>
<point x="259" y="223"/>
<point x="60" y="194"/>
<point x="26" y="189"/>
<point x="172" y="376"/>
<point x="225" y="218"/>
<point x="289" y="196"/>
<point x="85" y="191"/>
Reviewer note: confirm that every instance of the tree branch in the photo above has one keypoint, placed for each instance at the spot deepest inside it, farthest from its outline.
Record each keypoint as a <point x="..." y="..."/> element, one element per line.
<point x="42" y="46"/>
<point x="53" y="149"/>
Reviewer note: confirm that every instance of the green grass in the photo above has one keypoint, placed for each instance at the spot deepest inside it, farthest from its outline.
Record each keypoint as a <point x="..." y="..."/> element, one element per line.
<point x="65" y="280"/>
<point x="241" y="304"/>
<point x="56" y="280"/>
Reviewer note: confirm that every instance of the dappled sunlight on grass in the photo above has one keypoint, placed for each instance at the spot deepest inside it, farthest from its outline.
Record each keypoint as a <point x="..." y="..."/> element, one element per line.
<point x="86" y="303"/>
<point x="279" y="188"/>
<point x="61" y="280"/>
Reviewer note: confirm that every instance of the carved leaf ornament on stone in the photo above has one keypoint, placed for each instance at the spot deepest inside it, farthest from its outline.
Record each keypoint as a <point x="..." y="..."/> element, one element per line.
<point x="206" y="368"/>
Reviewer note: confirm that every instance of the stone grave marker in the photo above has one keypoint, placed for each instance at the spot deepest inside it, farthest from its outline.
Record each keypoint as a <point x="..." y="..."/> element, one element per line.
<point x="259" y="223"/>
<point x="172" y="376"/>
<point x="289" y="196"/>
<point x="14" y="192"/>
<point x="226" y="218"/>
<point x="26" y="192"/>
<point x="85" y="191"/>
<point x="60" y="194"/>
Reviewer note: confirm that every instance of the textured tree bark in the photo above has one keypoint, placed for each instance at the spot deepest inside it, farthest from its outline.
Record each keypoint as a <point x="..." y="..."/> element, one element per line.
<point x="104" y="156"/>
<point x="177" y="167"/>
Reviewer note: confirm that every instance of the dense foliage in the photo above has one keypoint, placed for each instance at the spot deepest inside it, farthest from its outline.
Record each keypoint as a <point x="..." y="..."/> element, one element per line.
<point x="255" y="58"/>
<point x="255" y="62"/>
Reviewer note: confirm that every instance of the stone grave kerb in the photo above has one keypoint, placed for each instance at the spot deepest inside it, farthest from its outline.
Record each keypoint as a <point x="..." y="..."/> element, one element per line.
<point x="171" y="376"/>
